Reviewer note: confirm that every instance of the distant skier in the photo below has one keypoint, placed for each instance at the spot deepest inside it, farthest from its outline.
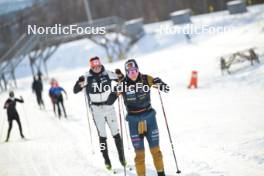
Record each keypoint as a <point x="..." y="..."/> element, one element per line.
<point x="102" y="112"/>
<point x="52" y="82"/>
<point x="253" y="57"/>
<point x="55" y="93"/>
<point x="12" y="114"/>
<point x="188" y="38"/>
<point x="37" y="87"/>
<point x="224" y="66"/>
<point x="141" y="116"/>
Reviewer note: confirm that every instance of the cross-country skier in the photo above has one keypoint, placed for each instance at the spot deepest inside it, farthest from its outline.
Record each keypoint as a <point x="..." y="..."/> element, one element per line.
<point x="37" y="87"/>
<point x="141" y="117"/>
<point x="12" y="114"/>
<point x="52" y="82"/>
<point x="224" y="66"/>
<point x="102" y="113"/>
<point x="55" y="93"/>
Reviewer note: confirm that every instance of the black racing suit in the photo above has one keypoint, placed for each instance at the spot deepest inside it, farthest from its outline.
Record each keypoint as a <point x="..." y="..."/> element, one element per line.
<point x="102" y="113"/>
<point x="12" y="114"/>
<point x="37" y="87"/>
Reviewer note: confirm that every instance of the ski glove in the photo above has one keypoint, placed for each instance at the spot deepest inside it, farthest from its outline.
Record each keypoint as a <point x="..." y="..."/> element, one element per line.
<point x="81" y="79"/>
<point x="162" y="86"/>
<point x="78" y="86"/>
<point x="119" y="74"/>
<point x="157" y="81"/>
<point x="21" y="98"/>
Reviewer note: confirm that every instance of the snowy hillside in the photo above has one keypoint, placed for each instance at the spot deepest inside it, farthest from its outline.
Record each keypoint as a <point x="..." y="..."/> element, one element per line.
<point x="217" y="129"/>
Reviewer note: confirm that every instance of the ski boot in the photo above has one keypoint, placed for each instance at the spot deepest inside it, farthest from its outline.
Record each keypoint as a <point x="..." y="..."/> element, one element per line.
<point x="104" y="150"/>
<point x="108" y="165"/>
<point x="120" y="150"/>
<point x="123" y="163"/>
<point x="161" y="174"/>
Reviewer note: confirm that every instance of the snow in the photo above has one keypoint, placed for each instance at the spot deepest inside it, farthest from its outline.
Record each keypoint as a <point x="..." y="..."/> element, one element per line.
<point x="217" y="130"/>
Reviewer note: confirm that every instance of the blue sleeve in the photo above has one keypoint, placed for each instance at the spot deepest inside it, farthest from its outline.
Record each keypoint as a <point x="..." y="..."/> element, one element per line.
<point x="50" y="92"/>
<point x="61" y="89"/>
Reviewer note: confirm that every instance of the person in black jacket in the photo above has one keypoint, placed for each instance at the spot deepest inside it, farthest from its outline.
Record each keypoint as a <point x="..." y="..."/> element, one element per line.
<point x="12" y="114"/>
<point x="37" y="88"/>
<point x="102" y="113"/>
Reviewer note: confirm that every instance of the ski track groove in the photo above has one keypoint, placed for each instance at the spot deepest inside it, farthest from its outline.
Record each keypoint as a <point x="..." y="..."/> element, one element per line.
<point x="34" y="164"/>
<point x="47" y="158"/>
<point x="48" y="161"/>
<point x="62" y="126"/>
<point x="28" y="160"/>
<point x="51" y="169"/>
<point x="61" y="167"/>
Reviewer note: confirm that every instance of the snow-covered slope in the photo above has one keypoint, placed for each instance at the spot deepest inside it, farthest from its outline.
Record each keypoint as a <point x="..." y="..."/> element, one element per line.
<point x="218" y="129"/>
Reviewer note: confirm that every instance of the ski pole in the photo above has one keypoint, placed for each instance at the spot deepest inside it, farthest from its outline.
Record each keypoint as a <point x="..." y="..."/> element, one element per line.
<point x="87" y="113"/>
<point x="26" y="117"/>
<point x="121" y="129"/>
<point x="168" y="129"/>
<point x="123" y="110"/>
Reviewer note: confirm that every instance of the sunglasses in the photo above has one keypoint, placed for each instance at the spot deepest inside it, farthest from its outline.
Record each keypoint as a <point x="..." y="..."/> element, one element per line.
<point x="130" y="65"/>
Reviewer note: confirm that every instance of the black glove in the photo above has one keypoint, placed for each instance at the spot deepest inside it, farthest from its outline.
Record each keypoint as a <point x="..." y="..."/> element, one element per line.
<point x="21" y="98"/>
<point x="157" y="81"/>
<point x="162" y="86"/>
<point x="118" y="71"/>
<point x="81" y="79"/>
<point x="79" y="85"/>
<point x="119" y="74"/>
